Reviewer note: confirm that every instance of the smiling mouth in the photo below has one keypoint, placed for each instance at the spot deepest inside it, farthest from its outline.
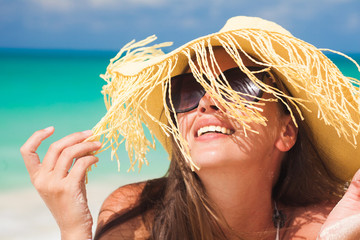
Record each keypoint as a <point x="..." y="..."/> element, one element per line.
<point x="214" y="129"/>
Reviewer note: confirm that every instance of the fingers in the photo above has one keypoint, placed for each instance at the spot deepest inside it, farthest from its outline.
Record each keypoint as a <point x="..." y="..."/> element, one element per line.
<point x="344" y="220"/>
<point x="78" y="151"/>
<point x="79" y="169"/>
<point x="344" y="228"/>
<point x="60" y="155"/>
<point x="57" y="148"/>
<point x="350" y="203"/>
<point x="353" y="191"/>
<point x="28" y="150"/>
<point x="348" y="206"/>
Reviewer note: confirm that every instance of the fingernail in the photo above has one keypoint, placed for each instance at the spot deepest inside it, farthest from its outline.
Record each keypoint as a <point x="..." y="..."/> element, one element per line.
<point x="88" y="132"/>
<point x="98" y="144"/>
<point x="48" y="129"/>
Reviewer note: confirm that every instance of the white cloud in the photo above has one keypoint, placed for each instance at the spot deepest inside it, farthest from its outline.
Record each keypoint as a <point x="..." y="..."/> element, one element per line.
<point x="125" y="4"/>
<point x="353" y="22"/>
<point x="217" y="6"/>
<point x="300" y="8"/>
<point x="71" y="5"/>
<point x="280" y="12"/>
<point x="53" y="5"/>
<point x="287" y="13"/>
<point x="339" y="1"/>
<point x="190" y="23"/>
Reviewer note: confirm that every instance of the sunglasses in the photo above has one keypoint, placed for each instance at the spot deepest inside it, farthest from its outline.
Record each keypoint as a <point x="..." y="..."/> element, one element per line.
<point x="186" y="92"/>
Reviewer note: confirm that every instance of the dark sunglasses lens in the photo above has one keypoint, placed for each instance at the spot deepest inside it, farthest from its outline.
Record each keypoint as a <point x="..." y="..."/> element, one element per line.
<point x="241" y="83"/>
<point x="186" y="93"/>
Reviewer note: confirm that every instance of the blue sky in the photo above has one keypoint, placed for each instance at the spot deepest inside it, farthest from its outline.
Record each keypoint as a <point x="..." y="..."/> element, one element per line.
<point x="109" y="24"/>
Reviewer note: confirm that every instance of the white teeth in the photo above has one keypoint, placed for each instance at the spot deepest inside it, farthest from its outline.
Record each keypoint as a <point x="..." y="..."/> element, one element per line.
<point x="209" y="129"/>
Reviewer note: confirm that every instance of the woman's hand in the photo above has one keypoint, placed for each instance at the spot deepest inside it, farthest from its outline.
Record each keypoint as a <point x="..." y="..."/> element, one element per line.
<point x="343" y="223"/>
<point x="61" y="188"/>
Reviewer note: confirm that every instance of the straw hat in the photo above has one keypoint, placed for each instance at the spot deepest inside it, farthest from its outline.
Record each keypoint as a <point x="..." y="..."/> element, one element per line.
<point x="138" y="76"/>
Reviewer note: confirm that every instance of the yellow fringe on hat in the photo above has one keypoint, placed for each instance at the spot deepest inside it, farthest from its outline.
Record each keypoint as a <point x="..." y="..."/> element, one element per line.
<point x="305" y="69"/>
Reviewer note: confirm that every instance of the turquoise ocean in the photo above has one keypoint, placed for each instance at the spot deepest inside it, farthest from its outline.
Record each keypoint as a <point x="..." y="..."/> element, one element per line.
<point x="61" y="88"/>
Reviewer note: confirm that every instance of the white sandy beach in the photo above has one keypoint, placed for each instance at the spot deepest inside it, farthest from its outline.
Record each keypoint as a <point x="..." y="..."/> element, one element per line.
<point x="23" y="215"/>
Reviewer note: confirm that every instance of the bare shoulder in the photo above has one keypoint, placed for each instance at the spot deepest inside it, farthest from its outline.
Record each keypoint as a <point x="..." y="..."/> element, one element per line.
<point x="306" y="222"/>
<point x="117" y="203"/>
<point x="121" y="199"/>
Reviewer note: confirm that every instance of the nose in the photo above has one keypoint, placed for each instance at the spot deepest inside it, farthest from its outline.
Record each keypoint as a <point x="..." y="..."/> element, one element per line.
<point x="208" y="105"/>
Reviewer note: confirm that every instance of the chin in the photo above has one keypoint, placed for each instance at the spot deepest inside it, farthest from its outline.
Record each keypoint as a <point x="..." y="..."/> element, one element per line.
<point x="217" y="159"/>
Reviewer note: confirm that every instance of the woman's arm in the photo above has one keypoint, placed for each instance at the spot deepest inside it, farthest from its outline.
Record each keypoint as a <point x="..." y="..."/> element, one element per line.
<point x="59" y="179"/>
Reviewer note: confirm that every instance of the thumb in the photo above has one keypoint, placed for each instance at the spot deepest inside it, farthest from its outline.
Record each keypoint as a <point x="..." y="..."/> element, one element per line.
<point x="344" y="220"/>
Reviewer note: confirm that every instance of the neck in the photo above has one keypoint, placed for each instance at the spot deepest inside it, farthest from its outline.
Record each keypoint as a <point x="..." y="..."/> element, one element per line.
<point x="242" y="199"/>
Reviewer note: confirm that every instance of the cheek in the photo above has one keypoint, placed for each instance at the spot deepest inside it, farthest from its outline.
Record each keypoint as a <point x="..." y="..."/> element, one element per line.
<point x="185" y="121"/>
<point x="254" y="142"/>
<point x="274" y="117"/>
<point x="261" y="138"/>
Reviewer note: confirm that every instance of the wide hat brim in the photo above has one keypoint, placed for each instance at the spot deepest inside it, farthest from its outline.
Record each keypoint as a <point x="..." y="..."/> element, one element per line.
<point x="328" y="101"/>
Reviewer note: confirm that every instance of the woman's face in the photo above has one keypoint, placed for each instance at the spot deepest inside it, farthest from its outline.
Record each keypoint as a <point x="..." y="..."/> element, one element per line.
<point x="231" y="148"/>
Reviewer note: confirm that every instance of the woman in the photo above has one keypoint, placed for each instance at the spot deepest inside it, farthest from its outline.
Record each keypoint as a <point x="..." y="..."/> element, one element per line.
<point x="244" y="163"/>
